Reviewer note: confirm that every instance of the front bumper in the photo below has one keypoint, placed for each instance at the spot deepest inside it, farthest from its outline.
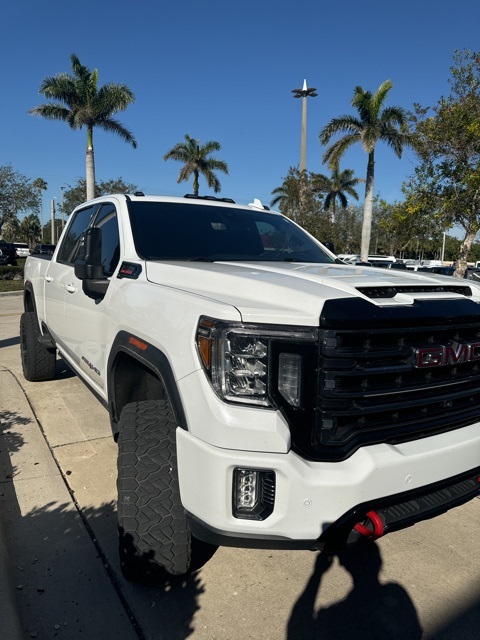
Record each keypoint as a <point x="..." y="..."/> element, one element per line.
<point x="319" y="503"/>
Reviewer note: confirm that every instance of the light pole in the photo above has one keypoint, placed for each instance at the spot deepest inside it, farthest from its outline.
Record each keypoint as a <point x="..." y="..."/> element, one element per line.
<point x="63" y="217"/>
<point x="304" y="93"/>
<point x="53" y="221"/>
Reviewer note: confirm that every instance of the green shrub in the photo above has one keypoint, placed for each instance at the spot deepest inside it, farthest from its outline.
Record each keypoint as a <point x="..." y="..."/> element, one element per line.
<point x="8" y="272"/>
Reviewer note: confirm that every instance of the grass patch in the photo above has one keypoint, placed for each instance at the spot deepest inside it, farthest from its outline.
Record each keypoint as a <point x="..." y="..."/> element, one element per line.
<point x="11" y="278"/>
<point x="11" y="285"/>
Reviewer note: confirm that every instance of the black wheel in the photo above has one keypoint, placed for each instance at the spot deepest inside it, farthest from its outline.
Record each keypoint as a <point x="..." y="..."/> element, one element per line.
<point x="38" y="361"/>
<point x="154" y="537"/>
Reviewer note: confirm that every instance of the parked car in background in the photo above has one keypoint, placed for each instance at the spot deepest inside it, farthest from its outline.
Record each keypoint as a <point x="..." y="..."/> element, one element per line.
<point x="384" y="264"/>
<point x="44" y="249"/>
<point x="372" y="260"/>
<point x="3" y="258"/>
<point x="22" y="249"/>
<point x="470" y="274"/>
<point x="440" y="270"/>
<point x="8" y="250"/>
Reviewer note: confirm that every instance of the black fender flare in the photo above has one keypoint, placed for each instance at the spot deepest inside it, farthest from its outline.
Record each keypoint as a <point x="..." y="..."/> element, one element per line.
<point x="151" y="358"/>
<point x="28" y="293"/>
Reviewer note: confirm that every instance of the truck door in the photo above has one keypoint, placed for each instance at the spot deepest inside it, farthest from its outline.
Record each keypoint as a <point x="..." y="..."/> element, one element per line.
<point x="83" y="334"/>
<point x="58" y="273"/>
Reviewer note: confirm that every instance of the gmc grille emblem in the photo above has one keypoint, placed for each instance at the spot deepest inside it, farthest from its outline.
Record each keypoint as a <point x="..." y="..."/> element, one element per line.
<point x="441" y="356"/>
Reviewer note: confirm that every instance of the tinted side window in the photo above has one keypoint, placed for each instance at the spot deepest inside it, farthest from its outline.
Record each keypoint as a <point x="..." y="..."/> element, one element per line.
<point x="108" y="223"/>
<point x="70" y="243"/>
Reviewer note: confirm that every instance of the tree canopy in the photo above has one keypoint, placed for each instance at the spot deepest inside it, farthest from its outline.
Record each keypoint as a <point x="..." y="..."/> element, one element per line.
<point x="17" y="195"/>
<point x="373" y="123"/>
<point x="80" y="102"/>
<point x="196" y="160"/>
<point x="446" y="184"/>
<point x="75" y="194"/>
<point x="336" y="187"/>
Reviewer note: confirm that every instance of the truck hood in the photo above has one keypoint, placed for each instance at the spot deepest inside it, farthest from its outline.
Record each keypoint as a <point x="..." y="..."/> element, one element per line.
<point x="292" y="293"/>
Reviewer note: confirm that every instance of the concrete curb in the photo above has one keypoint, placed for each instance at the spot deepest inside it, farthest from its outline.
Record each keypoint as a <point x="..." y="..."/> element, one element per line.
<point x="8" y="294"/>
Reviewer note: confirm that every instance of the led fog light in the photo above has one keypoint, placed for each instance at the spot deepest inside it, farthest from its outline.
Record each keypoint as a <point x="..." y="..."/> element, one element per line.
<point x="253" y="493"/>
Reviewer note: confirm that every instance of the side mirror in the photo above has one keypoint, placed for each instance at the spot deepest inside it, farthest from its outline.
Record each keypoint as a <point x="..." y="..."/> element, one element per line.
<point x="88" y="266"/>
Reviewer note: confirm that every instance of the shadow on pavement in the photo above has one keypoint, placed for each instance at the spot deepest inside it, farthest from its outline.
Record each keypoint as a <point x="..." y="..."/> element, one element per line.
<point x="9" y="342"/>
<point x="65" y="585"/>
<point x="370" y="610"/>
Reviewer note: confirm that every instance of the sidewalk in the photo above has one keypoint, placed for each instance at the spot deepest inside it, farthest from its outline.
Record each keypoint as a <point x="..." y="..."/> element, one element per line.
<point x="11" y="628"/>
<point x="8" y="604"/>
<point x="53" y="582"/>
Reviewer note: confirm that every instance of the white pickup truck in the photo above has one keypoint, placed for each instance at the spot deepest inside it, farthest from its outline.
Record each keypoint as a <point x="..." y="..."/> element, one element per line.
<point x="262" y="392"/>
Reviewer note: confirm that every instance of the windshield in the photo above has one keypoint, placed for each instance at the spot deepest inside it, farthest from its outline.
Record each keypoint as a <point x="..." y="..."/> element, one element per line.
<point x="176" y="231"/>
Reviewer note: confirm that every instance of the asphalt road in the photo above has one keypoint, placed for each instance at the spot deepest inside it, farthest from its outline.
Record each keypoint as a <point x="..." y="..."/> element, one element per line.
<point x="57" y="485"/>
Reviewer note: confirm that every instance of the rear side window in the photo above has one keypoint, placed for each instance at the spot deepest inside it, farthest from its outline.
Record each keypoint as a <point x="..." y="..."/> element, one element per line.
<point x="70" y="243"/>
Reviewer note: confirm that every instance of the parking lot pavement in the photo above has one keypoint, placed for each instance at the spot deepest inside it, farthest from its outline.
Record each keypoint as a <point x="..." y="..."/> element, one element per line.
<point x="57" y="473"/>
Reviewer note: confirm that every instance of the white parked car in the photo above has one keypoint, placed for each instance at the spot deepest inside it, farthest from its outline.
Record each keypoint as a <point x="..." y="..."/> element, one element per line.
<point x="22" y="249"/>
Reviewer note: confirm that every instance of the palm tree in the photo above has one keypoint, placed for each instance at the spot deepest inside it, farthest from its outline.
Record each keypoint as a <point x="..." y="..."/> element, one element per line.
<point x="80" y="102"/>
<point x="288" y="195"/>
<point x="30" y="229"/>
<point x="335" y="187"/>
<point x="40" y="185"/>
<point x="196" y="161"/>
<point x="372" y="125"/>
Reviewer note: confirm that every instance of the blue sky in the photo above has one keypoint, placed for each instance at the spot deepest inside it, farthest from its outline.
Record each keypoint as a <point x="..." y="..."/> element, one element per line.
<point x="224" y="71"/>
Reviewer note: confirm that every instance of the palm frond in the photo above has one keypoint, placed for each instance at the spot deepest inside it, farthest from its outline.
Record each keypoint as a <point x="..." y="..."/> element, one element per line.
<point x="113" y="126"/>
<point x="112" y="98"/>
<point x="51" y="111"/>
<point x="362" y="101"/>
<point x="333" y="154"/>
<point x="346" y="123"/>
<point x="380" y="95"/>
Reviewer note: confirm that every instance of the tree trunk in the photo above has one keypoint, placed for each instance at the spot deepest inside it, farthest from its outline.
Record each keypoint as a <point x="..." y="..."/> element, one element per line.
<point x="465" y="247"/>
<point x="367" y="209"/>
<point x="332" y="211"/>
<point x="195" y="183"/>
<point x="90" y="165"/>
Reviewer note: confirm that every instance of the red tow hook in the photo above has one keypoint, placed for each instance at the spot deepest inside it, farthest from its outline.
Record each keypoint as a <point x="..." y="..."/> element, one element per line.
<point x="377" y="525"/>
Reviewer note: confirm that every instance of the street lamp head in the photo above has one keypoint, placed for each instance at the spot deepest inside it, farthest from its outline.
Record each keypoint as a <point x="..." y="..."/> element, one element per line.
<point x="305" y="91"/>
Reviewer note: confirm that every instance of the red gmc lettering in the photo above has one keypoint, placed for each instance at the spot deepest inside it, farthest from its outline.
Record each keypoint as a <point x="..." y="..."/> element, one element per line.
<point x="455" y="353"/>
<point x="429" y="357"/>
<point x="441" y="356"/>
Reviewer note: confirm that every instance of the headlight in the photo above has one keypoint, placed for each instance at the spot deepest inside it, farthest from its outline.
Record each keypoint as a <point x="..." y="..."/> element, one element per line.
<point x="241" y="360"/>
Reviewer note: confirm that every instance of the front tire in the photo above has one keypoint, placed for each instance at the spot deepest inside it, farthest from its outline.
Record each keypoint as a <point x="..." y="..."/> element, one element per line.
<point x="38" y="361"/>
<point x="154" y="537"/>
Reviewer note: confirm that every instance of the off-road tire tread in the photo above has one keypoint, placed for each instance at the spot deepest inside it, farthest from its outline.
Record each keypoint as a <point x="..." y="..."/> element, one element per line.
<point x="154" y="536"/>
<point x="38" y="361"/>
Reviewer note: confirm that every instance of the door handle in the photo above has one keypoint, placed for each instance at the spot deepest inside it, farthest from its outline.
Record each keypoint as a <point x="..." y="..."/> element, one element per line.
<point x="48" y="278"/>
<point x="70" y="288"/>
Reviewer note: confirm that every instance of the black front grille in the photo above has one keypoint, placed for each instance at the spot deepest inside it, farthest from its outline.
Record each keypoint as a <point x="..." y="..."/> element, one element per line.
<point x="370" y="387"/>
